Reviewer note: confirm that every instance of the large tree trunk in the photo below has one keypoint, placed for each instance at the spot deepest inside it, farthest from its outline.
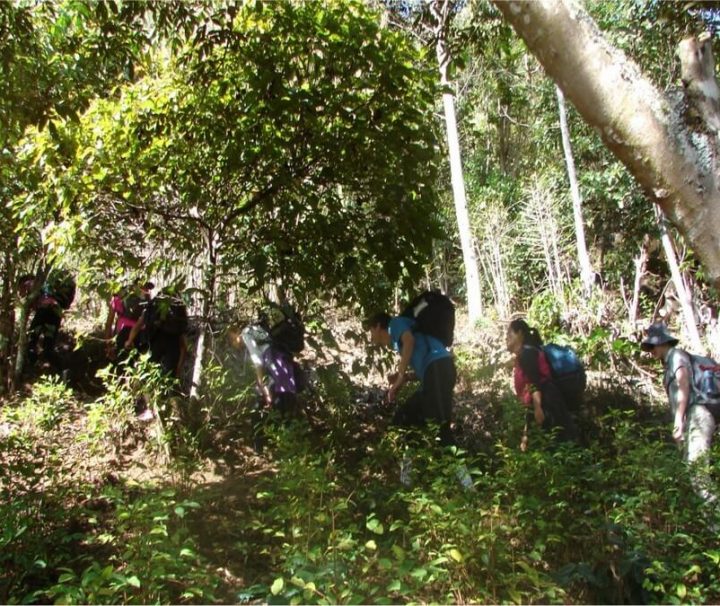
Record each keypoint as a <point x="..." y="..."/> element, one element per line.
<point x="441" y="10"/>
<point x="586" y="271"/>
<point x="646" y="130"/>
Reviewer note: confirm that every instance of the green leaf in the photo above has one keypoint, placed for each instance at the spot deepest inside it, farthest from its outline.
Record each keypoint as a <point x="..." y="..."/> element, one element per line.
<point x="374" y="525"/>
<point x="133" y="581"/>
<point x="277" y="586"/>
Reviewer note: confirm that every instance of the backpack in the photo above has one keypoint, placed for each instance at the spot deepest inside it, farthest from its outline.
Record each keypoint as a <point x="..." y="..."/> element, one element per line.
<point x="289" y="333"/>
<point x="167" y="314"/>
<point x="133" y="304"/>
<point x="706" y="383"/>
<point x="60" y="285"/>
<point x="434" y="315"/>
<point x="568" y="373"/>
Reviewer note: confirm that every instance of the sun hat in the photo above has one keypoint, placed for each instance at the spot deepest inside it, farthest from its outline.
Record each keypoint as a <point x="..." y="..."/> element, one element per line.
<point x="657" y="334"/>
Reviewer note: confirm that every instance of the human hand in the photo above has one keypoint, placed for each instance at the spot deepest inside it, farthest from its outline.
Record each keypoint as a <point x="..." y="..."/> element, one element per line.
<point x="524" y="443"/>
<point x="679" y="432"/>
<point x="539" y="415"/>
<point x="392" y="393"/>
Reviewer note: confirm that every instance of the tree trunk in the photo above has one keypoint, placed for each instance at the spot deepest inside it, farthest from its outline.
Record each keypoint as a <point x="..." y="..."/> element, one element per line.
<point x="7" y="322"/>
<point x="646" y="130"/>
<point x="684" y="295"/>
<point x="472" y="276"/>
<point x="586" y="271"/>
<point x="22" y="335"/>
<point x="207" y="307"/>
<point x="441" y="10"/>
<point x="640" y="265"/>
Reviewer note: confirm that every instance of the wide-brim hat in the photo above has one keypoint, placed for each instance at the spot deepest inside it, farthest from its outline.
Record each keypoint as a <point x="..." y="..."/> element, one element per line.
<point x="657" y="334"/>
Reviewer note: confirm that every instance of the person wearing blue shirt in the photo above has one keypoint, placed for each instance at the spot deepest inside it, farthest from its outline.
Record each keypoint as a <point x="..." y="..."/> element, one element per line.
<point x="433" y="366"/>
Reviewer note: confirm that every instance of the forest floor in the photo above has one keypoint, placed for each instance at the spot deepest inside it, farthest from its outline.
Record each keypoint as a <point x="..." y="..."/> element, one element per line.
<point x="225" y="473"/>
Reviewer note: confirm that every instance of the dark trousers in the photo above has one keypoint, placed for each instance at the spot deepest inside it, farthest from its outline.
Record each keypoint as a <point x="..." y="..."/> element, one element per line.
<point x="45" y="325"/>
<point x="432" y="402"/>
<point x="165" y="350"/>
<point x="556" y="413"/>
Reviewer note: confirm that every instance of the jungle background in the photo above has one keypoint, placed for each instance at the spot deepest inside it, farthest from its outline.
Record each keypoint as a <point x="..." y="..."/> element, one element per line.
<point x="303" y="149"/>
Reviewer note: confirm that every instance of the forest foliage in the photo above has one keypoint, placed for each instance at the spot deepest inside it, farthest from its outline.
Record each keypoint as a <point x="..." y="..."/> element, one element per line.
<point x="244" y="149"/>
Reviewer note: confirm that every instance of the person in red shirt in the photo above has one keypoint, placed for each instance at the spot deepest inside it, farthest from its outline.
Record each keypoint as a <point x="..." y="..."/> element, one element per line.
<point x="534" y="385"/>
<point x="120" y="320"/>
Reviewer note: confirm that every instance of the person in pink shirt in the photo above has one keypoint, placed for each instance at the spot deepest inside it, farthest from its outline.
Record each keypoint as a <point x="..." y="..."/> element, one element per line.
<point x="125" y="309"/>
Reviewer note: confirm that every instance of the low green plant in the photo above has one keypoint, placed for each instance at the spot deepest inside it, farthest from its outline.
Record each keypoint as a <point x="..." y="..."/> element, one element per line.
<point x="44" y="408"/>
<point x="110" y="416"/>
<point x="142" y="553"/>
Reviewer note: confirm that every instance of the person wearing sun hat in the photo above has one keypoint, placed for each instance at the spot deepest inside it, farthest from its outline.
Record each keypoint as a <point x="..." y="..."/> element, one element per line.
<point x="693" y="425"/>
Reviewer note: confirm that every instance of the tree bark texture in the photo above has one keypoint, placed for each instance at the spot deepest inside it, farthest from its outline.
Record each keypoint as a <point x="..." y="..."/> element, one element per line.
<point x="672" y="158"/>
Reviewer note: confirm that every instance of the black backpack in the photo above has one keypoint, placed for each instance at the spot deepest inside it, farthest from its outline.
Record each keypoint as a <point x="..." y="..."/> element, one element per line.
<point x="167" y="314"/>
<point x="60" y="285"/>
<point x="133" y="304"/>
<point x="434" y="315"/>
<point x="289" y="333"/>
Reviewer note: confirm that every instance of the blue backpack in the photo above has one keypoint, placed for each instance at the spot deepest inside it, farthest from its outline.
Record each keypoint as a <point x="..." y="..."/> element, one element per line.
<point x="568" y="373"/>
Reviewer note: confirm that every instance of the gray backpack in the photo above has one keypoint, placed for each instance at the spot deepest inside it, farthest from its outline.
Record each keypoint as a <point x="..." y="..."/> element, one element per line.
<point x="706" y="383"/>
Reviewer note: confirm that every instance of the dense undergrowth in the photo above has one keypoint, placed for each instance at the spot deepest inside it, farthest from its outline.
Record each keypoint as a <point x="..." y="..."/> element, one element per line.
<point x="322" y="517"/>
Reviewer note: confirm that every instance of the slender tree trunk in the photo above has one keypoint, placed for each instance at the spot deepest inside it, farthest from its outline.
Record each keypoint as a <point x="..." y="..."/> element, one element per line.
<point x="441" y="10"/>
<point x="640" y="265"/>
<point x="684" y="295"/>
<point x="7" y="322"/>
<point x="207" y="307"/>
<point x="22" y="334"/>
<point x="586" y="271"/>
<point x="472" y="276"/>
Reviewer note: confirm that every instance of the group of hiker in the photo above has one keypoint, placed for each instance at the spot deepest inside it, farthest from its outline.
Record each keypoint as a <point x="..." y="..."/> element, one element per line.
<point x="158" y="325"/>
<point x="135" y="321"/>
<point x="548" y="379"/>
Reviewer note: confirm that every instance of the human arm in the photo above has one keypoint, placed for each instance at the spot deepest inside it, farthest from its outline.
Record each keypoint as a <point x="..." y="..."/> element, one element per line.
<point x="407" y="341"/>
<point x="682" y="399"/>
<point x="537" y="407"/>
<point x="139" y="325"/>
